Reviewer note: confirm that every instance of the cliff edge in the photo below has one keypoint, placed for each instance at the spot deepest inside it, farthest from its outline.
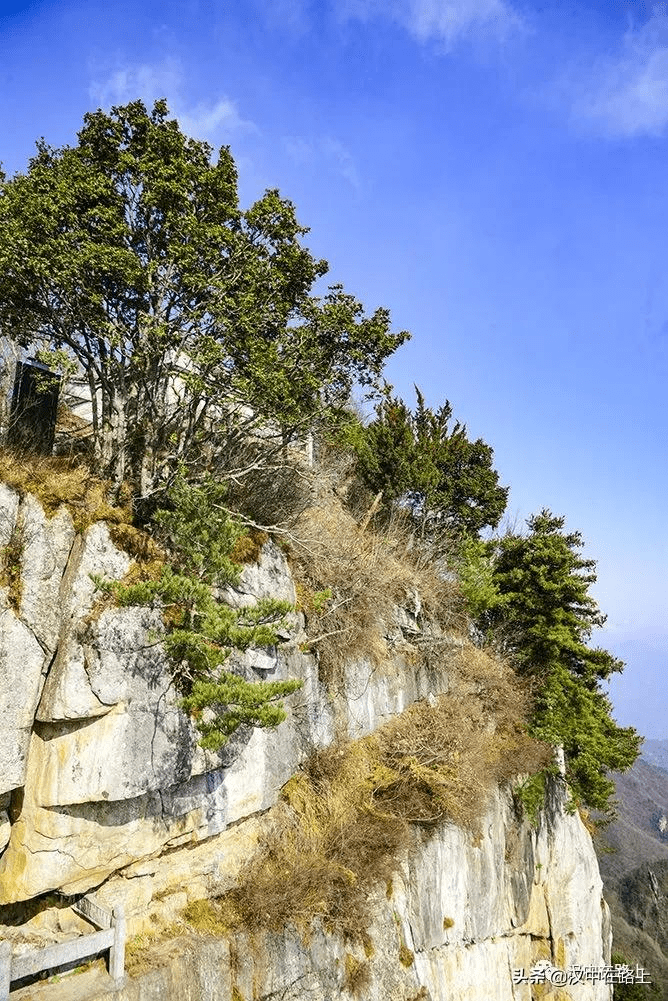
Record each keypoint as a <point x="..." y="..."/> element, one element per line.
<point x="104" y="790"/>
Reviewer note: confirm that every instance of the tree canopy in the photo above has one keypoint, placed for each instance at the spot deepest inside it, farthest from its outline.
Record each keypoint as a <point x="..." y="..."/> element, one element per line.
<point x="128" y="254"/>
<point x="530" y="593"/>
<point x="427" y="463"/>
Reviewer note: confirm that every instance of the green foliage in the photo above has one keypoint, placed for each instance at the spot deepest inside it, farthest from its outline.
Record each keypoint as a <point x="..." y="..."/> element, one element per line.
<point x="244" y="702"/>
<point x="543" y="584"/>
<point x="538" y="610"/>
<point x="128" y="255"/>
<point x="477" y="581"/>
<point x="320" y="599"/>
<point x="202" y="630"/>
<point x="198" y="531"/>
<point x="421" y="461"/>
<point x="579" y="716"/>
<point x="531" y="795"/>
<point x="632" y="992"/>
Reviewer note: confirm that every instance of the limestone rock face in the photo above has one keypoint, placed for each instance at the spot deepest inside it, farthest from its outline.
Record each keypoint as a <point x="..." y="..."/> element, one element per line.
<point x="460" y="920"/>
<point x="21" y="662"/>
<point x="466" y="918"/>
<point x="104" y="789"/>
<point x="47" y="546"/>
<point x="269" y="576"/>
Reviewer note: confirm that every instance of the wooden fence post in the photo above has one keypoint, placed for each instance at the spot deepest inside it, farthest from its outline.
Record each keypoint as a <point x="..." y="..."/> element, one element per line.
<point x="117" y="951"/>
<point x="5" y="969"/>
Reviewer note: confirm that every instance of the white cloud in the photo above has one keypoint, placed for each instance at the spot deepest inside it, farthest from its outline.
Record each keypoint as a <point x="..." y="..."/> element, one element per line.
<point x="345" y="165"/>
<point x="299" y="150"/>
<point x="286" y="15"/>
<point x="444" y="21"/>
<point x="206" y="120"/>
<point x="324" y="150"/>
<point x="149" y="82"/>
<point x="628" y="95"/>
<point x="131" y="82"/>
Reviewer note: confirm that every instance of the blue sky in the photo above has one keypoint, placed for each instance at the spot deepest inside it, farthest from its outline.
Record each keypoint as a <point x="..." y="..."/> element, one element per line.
<point x="492" y="172"/>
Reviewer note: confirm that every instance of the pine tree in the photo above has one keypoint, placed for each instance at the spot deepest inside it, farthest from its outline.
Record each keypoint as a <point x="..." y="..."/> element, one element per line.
<point x="428" y="465"/>
<point x="541" y="614"/>
<point x="200" y="630"/>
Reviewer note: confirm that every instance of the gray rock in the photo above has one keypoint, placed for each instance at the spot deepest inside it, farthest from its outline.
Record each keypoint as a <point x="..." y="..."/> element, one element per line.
<point x="269" y="577"/>
<point x="47" y="545"/>
<point x="21" y="663"/>
<point x="68" y="693"/>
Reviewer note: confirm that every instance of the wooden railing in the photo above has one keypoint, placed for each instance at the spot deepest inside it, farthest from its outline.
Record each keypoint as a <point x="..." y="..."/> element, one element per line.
<point x="111" y="937"/>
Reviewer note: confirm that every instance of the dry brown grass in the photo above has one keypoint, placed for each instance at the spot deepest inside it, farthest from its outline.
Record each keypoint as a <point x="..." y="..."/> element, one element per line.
<point x="346" y="820"/>
<point x="135" y="541"/>
<point x="205" y="917"/>
<point x="58" y="481"/>
<point x="10" y="567"/>
<point x="350" y="579"/>
<point x="247" y="549"/>
<point x="143" y="953"/>
<point x="357" y="975"/>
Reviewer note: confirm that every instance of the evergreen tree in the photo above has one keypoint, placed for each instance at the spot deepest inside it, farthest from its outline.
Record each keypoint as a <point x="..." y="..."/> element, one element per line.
<point x="540" y="612"/>
<point x="545" y="607"/>
<point x="427" y="464"/>
<point x="192" y="319"/>
<point x="200" y="629"/>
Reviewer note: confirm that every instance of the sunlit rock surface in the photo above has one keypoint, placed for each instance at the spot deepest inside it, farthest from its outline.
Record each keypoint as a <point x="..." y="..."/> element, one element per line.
<point x="104" y="789"/>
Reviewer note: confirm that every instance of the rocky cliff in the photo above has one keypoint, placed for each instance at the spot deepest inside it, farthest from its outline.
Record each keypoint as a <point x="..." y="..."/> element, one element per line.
<point x="104" y="790"/>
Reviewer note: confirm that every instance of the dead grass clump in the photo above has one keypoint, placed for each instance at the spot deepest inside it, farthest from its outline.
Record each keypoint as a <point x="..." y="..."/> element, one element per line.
<point x="206" y="917"/>
<point x="56" y="481"/>
<point x="10" y="567"/>
<point x="247" y="549"/>
<point x="323" y="765"/>
<point x="142" y="952"/>
<point x="136" y="542"/>
<point x="348" y="817"/>
<point x="329" y="846"/>
<point x="357" y="975"/>
<point x="351" y="578"/>
<point x="505" y="702"/>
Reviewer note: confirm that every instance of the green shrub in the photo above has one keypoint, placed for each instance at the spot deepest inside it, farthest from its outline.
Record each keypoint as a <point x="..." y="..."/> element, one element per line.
<point x="201" y="630"/>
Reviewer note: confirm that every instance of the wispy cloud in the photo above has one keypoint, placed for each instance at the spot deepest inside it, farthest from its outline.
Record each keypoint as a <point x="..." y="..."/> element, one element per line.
<point x="149" y="82"/>
<point x="291" y="16"/>
<point x="627" y="95"/>
<point x="324" y="150"/>
<point x="443" y="21"/>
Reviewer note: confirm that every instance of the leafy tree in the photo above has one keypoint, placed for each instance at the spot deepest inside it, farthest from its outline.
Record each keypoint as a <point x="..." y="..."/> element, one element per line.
<point x="430" y="466"/>
<point x="474" y="566"/>
<point x="193" y="321"/>
<point x="543" y="586"/>
<point x="201" y="630"/>
<point x="540" y="612"/>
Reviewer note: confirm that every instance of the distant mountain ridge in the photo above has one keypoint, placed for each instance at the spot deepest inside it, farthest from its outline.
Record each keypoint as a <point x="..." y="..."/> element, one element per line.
<point x="633" y="859"/>
<point x="655" y="752"/>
